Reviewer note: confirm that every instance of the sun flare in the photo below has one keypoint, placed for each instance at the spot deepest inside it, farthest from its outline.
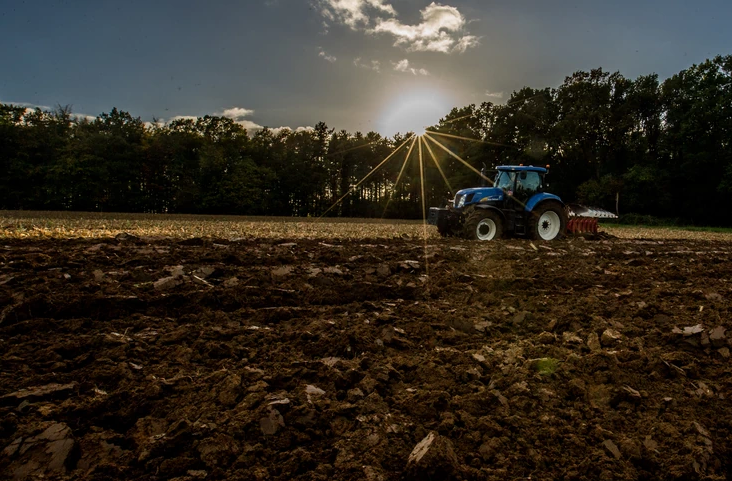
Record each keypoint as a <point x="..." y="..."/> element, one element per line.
<point x="413" y="111"/>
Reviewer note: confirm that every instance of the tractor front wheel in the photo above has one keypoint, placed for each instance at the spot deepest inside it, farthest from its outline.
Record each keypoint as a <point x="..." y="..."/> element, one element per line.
<point x="548" y="222"/>
<point x="484" y="225"/>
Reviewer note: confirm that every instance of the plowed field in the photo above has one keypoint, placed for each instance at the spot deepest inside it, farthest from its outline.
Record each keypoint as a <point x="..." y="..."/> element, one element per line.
<point x="271" y="359"/>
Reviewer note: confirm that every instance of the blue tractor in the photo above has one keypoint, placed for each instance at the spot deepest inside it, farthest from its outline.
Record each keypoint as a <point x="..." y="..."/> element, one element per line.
<point x="516" y="205"/>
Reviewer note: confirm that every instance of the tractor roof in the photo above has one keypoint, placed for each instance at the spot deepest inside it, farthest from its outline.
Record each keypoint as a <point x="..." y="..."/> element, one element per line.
<point x="521" y="168"/>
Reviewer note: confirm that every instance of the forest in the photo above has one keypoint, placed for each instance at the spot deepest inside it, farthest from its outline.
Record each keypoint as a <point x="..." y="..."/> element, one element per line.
<point x="643" y="146"/>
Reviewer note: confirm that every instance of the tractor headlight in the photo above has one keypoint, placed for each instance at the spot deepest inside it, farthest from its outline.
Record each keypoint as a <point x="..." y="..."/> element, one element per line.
<point x="461" y="203"/>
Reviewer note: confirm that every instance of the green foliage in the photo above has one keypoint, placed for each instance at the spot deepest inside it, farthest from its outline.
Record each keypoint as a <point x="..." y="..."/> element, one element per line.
<point x="663" y="150"/>
<point x="600" y="193"/>
<point x="648" y="220"/>
<point x="546" y="366"/>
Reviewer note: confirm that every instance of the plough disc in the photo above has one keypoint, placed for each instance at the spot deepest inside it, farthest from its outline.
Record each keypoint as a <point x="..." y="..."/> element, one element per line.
<point x="583" y="220"/>
<point x="582" y="225"/>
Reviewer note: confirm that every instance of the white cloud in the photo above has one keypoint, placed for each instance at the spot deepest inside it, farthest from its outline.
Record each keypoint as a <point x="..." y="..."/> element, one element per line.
<point x="466" y="42"/>
<point x="236" y="113"/>
<point x="494" y="95"/>
<point x="329" y="58"/>
<point x="157" y="124"/>
<point x="403" y="66"/>
<point x="249" y="125"/>
<point x="353" y="13"/>
<point x="374" y="65"/>
<point x="442" y="29"/>
<point x="278" y="130"/>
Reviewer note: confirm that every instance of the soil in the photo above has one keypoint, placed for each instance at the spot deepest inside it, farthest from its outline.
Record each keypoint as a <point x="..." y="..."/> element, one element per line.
<point x="155" y="359"/>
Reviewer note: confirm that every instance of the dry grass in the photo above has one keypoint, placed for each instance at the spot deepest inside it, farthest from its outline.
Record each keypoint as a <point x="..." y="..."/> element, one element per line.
<point x="665" y="233"/>
<point x="95" y="225"/>
<point x="65" y="225"/>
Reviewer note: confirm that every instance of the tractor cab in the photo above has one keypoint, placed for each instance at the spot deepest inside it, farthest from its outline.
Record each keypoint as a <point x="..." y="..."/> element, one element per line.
<point x="525" y="181"/>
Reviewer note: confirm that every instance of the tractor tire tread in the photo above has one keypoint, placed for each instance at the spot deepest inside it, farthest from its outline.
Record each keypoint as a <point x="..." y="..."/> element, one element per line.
<point x="472" y="220"/>
<point x="533" y="224"/>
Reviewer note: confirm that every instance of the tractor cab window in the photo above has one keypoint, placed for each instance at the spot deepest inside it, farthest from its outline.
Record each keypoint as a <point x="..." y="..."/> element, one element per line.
<point x="505" y="180"/>
<point x="529" y="182"/>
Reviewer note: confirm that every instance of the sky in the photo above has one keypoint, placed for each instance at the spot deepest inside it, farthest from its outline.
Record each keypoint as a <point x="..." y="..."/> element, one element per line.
<point x="358" y="65"/>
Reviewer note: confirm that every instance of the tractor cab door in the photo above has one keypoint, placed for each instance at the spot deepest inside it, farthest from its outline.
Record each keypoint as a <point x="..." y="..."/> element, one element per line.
<point x="506" y="181"/>
<point x="518" y="188"/>
<point x="527" y="184"/>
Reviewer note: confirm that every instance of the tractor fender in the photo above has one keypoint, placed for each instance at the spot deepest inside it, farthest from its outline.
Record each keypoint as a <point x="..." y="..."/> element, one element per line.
<point x="490" y="207"/>
<point x="537" y="199"/>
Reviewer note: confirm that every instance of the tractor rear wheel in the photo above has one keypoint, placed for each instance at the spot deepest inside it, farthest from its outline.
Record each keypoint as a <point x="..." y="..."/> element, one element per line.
<point x="548" y="222"/>
<point x="483" y="225"/>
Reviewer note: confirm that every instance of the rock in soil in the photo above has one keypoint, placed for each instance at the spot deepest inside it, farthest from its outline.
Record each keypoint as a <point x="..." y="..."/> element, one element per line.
<point x="432" y="457"/>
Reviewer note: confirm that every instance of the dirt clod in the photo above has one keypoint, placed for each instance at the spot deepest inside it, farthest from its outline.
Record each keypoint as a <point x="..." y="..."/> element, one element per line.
<point x="43" y="454"/>
<point x="610" y="337"/>
<point x="433" y="456"/>
<point x="612" y="448"/>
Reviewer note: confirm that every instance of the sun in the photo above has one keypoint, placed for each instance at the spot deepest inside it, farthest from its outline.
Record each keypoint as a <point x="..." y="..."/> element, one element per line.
<point x="413" y="111"/>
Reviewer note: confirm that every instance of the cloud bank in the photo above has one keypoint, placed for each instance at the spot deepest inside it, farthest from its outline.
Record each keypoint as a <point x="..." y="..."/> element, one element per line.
<point x="442" y="27"/>
<point x="354" y="13"/>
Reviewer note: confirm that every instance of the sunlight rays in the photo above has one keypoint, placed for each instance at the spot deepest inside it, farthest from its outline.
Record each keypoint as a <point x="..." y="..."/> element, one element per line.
<point x="468" y="139"/>
<point x="365" y="177"/>
<point x="422" y="142"/>
<point x="457" y="157"/>
<point x="437" y="164"/>
<point x="457" y="119"/>
<point x="424" y="209"/>
<point x="349" y="150"/>
<point x="401" y="171"/>
<point x="523" y="204"/>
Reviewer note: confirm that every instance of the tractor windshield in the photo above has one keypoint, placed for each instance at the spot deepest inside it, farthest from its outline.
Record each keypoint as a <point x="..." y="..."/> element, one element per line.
<point x="504" y="180"/>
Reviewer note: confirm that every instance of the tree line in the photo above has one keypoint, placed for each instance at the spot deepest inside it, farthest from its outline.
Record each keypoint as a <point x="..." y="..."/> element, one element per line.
<point x="645" y="146"/>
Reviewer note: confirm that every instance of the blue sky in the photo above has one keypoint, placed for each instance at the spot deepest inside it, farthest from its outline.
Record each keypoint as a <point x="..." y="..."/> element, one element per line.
<point x="383" y="65"/>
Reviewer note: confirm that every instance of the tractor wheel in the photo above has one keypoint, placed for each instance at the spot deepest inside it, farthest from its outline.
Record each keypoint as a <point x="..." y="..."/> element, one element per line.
<point x="548" y="222"/>
<point x="484" y="225"/>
